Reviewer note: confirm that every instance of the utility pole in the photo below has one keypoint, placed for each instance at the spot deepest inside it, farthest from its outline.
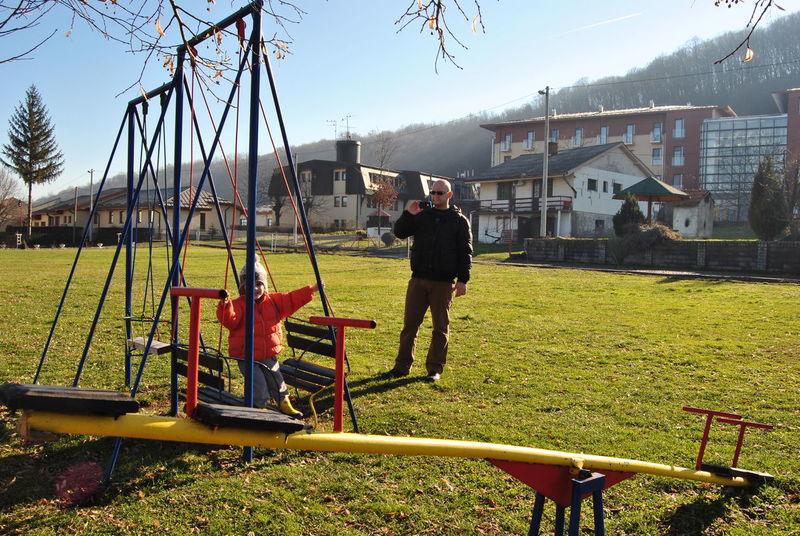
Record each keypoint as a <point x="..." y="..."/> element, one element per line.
<point x="75" y="216"/>
<point x="543" y="221"/>
<point x="91" y="203"/>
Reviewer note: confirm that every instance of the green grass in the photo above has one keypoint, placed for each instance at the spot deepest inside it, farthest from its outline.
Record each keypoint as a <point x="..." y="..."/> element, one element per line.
<point x="559" y="359"/>
<point x="733" y="231"/>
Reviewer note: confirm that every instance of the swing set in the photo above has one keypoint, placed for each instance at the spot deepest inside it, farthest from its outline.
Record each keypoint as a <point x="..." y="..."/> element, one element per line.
<point x="214" y="415"/>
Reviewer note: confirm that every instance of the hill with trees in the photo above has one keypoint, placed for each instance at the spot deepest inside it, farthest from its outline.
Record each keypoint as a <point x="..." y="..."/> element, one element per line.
<point x="687" y="75"/>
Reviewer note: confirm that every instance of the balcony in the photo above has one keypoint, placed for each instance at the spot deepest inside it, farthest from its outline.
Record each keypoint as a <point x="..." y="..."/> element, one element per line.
<point x="525" y="204"/>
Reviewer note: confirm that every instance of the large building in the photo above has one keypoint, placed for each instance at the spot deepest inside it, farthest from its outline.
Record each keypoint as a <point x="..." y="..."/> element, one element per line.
<point x="664" y="138"/>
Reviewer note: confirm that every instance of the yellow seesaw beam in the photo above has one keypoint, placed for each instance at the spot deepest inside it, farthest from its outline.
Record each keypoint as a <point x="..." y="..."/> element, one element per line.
<point x="186" y="430"/>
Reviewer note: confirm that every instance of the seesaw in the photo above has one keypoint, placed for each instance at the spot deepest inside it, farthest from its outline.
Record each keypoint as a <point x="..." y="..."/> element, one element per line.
<point x="564" y="477"/>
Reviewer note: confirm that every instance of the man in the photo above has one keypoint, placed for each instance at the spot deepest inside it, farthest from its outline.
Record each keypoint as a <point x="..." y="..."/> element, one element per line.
<point x="441" y="258"/>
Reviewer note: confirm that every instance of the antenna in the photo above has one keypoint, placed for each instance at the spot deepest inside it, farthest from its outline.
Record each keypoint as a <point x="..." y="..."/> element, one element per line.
<point x="346" y="119"/>
<point x="335" y="123"/>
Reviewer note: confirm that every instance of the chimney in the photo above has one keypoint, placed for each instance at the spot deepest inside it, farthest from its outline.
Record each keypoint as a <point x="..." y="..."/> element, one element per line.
<point x="600" y="108"/>
<point x="552" y="148"/>
<point x="348" y="151"/>
<point x="652" y="103"/>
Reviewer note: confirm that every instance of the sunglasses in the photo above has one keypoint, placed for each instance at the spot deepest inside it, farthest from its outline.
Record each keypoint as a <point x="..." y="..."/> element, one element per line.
<point x="436" y="192"/>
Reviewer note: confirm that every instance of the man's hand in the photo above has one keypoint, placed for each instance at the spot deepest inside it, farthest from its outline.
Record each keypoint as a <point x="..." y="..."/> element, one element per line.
<point x="413" y="208"/>
<point x="460" y="288"/>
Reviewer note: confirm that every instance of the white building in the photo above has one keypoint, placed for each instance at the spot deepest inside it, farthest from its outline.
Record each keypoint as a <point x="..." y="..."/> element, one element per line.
<point x="580" y="186"/>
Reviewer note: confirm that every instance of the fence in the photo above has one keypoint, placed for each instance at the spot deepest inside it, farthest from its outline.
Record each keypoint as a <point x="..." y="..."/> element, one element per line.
<point x="727" y="255"/>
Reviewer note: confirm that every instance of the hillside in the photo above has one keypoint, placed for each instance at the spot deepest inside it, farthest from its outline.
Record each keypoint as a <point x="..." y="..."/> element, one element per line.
<point x="687" y="75"/>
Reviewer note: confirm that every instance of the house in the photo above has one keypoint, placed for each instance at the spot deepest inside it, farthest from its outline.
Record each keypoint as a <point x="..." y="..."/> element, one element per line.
<point x="338" y="194"/>
<point x="580" y="186"/>
<point x="694" y="217"/>
<point x="112" y="206"/>
<point x="664" y="138"/>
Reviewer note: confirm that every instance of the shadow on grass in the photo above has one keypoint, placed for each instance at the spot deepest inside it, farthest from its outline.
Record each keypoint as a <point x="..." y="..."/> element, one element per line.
<point x="696" y="517"/>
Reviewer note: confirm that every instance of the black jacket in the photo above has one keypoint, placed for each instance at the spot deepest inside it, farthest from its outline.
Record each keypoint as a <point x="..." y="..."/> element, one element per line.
<point x="442" y="249"/>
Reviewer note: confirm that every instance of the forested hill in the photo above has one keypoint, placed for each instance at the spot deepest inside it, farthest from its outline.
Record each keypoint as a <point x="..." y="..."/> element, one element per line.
<point x="687" y="75"/>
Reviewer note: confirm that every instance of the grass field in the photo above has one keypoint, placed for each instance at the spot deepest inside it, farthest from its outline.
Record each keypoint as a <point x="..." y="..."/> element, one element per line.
<point x="559" y="359"/>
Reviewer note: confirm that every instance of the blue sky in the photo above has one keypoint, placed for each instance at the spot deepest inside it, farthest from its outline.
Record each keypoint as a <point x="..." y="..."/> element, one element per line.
<point x="349" y="60"/>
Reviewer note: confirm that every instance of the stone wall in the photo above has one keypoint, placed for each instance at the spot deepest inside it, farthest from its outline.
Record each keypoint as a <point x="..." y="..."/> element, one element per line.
<point x="725" y="255"/>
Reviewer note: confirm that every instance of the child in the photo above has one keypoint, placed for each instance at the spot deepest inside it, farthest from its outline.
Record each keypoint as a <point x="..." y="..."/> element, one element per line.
<point x="270" y="309"/>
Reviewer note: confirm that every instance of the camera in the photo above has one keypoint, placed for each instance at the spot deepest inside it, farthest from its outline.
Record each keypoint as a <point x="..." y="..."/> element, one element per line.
<point x="424" y="205"/>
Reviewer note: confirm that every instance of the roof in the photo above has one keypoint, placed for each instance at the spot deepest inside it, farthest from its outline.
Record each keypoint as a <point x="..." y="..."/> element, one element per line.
<point x="725" y="110"/>
<point x="652" y="189"/>
<point x="695" y="197"/>
<point x="562" y="163"/>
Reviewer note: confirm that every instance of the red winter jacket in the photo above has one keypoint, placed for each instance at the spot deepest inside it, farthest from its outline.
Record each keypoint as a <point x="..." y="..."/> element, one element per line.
<point x="269" y="311"/>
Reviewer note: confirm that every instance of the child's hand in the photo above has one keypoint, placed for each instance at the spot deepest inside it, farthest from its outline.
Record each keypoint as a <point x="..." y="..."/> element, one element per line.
<point x="315" y="287"/>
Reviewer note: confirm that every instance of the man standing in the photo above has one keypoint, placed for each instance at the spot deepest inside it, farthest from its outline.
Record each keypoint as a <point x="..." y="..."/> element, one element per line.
<point x="441" y="258"/>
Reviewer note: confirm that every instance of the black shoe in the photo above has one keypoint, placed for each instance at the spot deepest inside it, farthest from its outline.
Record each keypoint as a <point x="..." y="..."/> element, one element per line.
<point x="435" y="377"/>
<point x="394" y="373"/>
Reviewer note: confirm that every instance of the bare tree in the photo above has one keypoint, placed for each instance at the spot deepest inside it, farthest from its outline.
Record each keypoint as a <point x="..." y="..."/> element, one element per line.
<point x="11" y="207"/>
<point x="385" y="147"/>
<point x="384" y="196"/>
<point x="760" y="8"/>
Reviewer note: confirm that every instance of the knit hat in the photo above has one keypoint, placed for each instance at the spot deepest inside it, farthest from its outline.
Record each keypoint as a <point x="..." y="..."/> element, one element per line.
<point x="261" y="275"/>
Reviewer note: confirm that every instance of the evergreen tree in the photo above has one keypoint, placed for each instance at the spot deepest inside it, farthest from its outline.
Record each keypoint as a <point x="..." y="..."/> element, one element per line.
<point x="32" y="151"/>
<point x="629" y="212"/>
<point x="767" y="213"/>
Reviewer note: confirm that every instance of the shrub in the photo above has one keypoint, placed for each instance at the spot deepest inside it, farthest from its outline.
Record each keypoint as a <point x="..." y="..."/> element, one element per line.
<point x="767" y="212"/>
<point x="629" y="213"/>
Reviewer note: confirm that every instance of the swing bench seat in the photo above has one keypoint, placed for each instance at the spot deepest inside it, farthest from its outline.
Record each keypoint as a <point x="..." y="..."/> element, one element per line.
<point x="308" y="341"/>
<point x="213" y="378"/>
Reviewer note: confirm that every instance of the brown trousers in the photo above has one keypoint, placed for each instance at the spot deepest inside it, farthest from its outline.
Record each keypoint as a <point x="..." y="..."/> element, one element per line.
<point x="421" y="295"/>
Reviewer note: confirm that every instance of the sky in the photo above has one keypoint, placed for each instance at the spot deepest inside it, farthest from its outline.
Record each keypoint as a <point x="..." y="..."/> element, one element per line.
<point x="350" y="66"/>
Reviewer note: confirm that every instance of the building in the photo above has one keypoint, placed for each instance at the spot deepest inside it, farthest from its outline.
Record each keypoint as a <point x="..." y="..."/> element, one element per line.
<point x="730" y="152"/>
<point x="112" y="206"/>
<point x="694" y="217"/>
<point x="338" y="194"/>
<point x="664" y="138"/>
<point x="580" y="186"/>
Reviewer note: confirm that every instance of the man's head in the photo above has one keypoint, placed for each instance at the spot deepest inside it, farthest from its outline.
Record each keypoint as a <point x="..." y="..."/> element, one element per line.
<point x="441" y="194"/>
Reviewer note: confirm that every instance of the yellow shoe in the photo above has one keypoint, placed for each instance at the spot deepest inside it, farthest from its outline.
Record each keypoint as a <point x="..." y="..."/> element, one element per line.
<point x="287" y="409"/>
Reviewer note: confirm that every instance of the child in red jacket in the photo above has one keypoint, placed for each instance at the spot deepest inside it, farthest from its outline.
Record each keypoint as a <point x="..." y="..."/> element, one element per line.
<point x="270" y="309"/>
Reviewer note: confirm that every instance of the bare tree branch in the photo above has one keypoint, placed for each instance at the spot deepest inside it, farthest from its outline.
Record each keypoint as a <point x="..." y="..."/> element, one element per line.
<point x="763" y="5"/>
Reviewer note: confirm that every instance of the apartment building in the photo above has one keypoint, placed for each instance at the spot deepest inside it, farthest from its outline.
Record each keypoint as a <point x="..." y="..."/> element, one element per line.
<point x="664" y="138"/>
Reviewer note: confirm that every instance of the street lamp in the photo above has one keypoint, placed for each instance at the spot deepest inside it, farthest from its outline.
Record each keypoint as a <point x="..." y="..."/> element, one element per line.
<point x="543" y="221"/>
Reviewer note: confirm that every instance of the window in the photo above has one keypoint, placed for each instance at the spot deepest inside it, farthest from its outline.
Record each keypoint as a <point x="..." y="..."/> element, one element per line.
<point x="503" y="190"/>
<point x="658" y="159"/>
<point x="554" y="135"/>
<point x="591" y="185"/>
<point x="344" y="200"/>
<point x="577" y="140"/>
<point x="630" y="132"/>
<point x="529" y="140"/>
<point x="677" y="180"/>
<point x="121" y="216"/>
<point x="505" y="145"/>
<point x="305" y="176"/>
<point x="339" y="175"/>
<point x="337" y="201"/>
<point x="677" y="156"/>
<point x="506" y="158"/>
<point x="605" y="187"/>
<point x="678" y="131"/>
<point x="655" y="134"/>
<point x="599" y="225"/>
<point x="602" y="138"/>
<point x="616" y="187"/>
<point x="110" y="217"/>
<point x="202" y="221"/>
<point x="138" y="216"/>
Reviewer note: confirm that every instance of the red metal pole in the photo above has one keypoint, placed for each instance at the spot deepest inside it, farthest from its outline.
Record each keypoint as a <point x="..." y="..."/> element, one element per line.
<point x="710" y="414"/>
<point x="742" y="427"/>
<point x="194" y="338"/>
<point x="338" y="385"/>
